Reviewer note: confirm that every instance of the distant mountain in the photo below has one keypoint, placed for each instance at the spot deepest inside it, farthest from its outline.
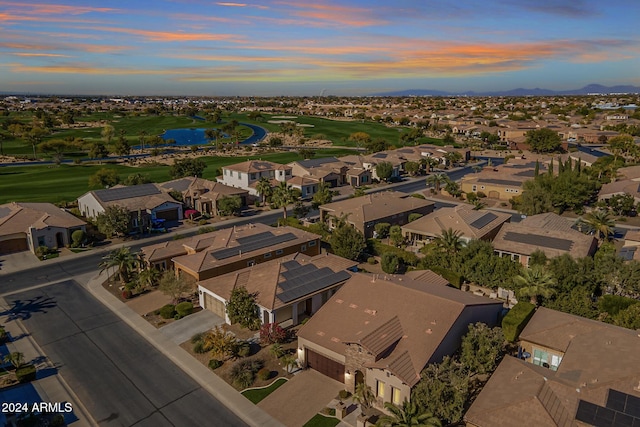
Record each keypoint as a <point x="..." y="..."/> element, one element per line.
<point x="589" y="89"/>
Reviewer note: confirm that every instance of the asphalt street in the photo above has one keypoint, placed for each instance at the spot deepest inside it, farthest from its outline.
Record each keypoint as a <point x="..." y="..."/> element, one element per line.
<point x="120" y="378"/>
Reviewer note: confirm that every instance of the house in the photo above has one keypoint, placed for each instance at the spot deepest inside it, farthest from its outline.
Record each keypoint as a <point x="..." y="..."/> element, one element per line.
<point x="202" y="194"/>
<point x="329" y="170"/>
<point x="620" y="188"/>
<point x="146" y="203"/>
<point x="549" y="233"/>
<point x="470" y="223"/>
<point x="286" y="288"/>
<point x="383" y="332"/>
<point x="307" y="186"/>
<point x="574" y="372"/>
<point x="230" y="249"/>
<point x="366" y="211"/>
<point x="502" y="182"/>
<point x="246" y="175"/>
<point x="26" y="226"/>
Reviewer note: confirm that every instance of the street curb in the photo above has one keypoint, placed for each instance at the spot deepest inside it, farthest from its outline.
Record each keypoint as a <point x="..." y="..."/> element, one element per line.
<point x="219" y="389"/>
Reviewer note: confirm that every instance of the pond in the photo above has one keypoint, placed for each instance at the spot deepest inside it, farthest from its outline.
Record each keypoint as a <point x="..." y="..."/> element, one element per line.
<point x="193" y="136"/>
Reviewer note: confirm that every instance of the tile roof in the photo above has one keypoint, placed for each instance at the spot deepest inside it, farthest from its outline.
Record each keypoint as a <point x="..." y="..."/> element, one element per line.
<point x="371" y="207"/>
<point x="134" y="197"/>
<point x="473" y="224"/>
<point x="269" y="279"/>
<point x="256" y="166"/>
<point x="232" y="239"/>
<point x="375" y="312"/>
<point x="18" y="217"/>
<point x="597" y="357"/>
<point x="549" y="233"/>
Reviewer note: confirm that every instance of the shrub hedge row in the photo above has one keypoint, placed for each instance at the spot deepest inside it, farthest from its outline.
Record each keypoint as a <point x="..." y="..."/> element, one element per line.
<point x="516" y="319"/>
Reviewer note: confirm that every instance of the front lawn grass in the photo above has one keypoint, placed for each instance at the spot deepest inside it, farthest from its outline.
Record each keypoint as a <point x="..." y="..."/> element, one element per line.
<point x="319" y="420"/>
<point x="256" y="395"/>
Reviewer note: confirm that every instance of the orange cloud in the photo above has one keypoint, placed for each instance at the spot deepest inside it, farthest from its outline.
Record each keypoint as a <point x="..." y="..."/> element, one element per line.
<point x="54" y="9"/>
<point x="332" y="15"/>
<point x="167" y="36"/>
<point x="47" y="55"/>
<point x="233" y="4"/>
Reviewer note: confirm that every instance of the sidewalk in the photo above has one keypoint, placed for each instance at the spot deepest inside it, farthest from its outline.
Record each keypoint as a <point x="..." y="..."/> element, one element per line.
<point x="210" y="382"/>
<point x="49" y="385"/>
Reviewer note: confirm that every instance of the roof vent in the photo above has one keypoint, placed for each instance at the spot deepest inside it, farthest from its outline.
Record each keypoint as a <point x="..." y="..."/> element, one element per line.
<point x="429" y="331"/>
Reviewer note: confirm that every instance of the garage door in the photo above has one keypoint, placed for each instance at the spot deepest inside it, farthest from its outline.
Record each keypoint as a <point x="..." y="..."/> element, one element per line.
<point x="324" y="365"/>
<point x="169" y="215"/>
<point x="215" y="305"/>
<point x="13" y="245"/>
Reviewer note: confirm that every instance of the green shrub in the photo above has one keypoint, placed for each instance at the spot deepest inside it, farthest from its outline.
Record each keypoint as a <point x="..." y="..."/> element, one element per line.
<point x="516" y="319"/>
<point x="243" y="349"/>
<point x="264" y="374"/>
<point x="168" y="311"/>
<point x="454" y="278"/>
<point x="184" y="308"/>
<point x="372" y="260"/>
<point x="199" y="348"/>
<point x="78" y="237"/>
<point x="243" y="373"/>
<point x="414" y="216"/>
<point x="215" y="363"/>
<point x="204" y="230"/>
<point x="376" y="247"/>
<point x="26" y="373"/>
<point x="126" y="294"/>
<point x="197" y="337"/>
<point x="382" y="229"/>
<point x="343" y="394"/>
<point x="202" y="222"/>
<point x="177" y="317"/>
<point x="481" y="195"/>
<point x="418" y="196"/>
<point x="613" y="304"/>
<point x="390" y="263"/>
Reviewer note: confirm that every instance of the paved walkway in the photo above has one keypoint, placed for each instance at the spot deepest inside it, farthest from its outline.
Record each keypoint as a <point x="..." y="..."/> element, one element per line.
<point x="183" y="329"/>
<point x="148" y="302"/>
<point x="227" y="395"/>
<point x="49" y="387"/>
<point x="300" y="398"/>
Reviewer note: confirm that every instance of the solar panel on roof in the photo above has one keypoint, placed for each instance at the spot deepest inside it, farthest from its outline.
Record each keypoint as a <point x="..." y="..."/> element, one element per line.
<point x="258" y="241"/>
<point x="484" y="220"/>
<point x="616" y="400"/>
<point x="539" y="240"/>
<point x="111" y="194"/>
<point x="302" y="286"/>
<point x="500" y="182"/>
<point x="616" y="414"/>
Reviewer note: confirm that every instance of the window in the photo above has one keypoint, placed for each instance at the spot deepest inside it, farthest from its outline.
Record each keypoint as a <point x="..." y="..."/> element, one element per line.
<point x="303" y="248"/>
<point x="380" y="389"/>
<point x="251" y="263"/>
<point x="540" y="357"/>
<point x="253" y="176"/>
<point x="395" y="396"/>
<point x="239" y="175"/>
<point x="312" y="243"/>
<point x="555" y="362"/>
<point x="267" y="255"/>
<point x="279" y="252"/>
<point x="474" y="188"/>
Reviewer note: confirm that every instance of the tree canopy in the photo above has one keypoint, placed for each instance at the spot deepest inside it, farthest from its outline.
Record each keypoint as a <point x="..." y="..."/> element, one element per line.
<point x="348" y="242"/>
<point x="242" y="309"/>
<point x="543" y="140"/>
<point x="187" y="167"/>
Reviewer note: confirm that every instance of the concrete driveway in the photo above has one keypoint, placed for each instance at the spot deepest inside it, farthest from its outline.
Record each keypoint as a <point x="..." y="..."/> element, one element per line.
<point x="300" y="398"/>
<point x="182" y="330"/>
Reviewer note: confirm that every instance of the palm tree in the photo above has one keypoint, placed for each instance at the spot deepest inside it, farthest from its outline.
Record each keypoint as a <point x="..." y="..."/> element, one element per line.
<point x="16" y="359"/>
<point x="536" y="282"/>
<point x="149" y="277"/>
<point x="283" y="196"/>
<point x="364" y="396"/>
<point x="407" y="415"/>
<point x="123" y="260"/>
<point x="437" y="179"/>
<point x="264" y="189"/>
<point x="601" y="222"/>
<point x="449" y="241"/>
<point x="430" y="162"/>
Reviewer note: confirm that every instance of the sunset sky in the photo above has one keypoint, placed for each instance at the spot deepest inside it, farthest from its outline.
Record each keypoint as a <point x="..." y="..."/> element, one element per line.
<point x="354" y="47"/>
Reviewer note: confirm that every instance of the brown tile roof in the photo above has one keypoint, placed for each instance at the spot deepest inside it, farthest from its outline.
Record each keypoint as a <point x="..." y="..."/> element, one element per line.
<point x="134" y="197"/>
<point x="229" y="239"/>
<point x="427" y="276"/>
<point x="371" y="207"/>
<point x="302" y="180"/>
<point x="268" y="278"/>
<point x="597" y="357"/>
<point x="256" y="166"/>
<point x="459" y="218"/>
<point x="549" y="233"/>
<point x="18" y="217"/>
<point x="626" y="186"/>
<point x="374" y="311"/>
